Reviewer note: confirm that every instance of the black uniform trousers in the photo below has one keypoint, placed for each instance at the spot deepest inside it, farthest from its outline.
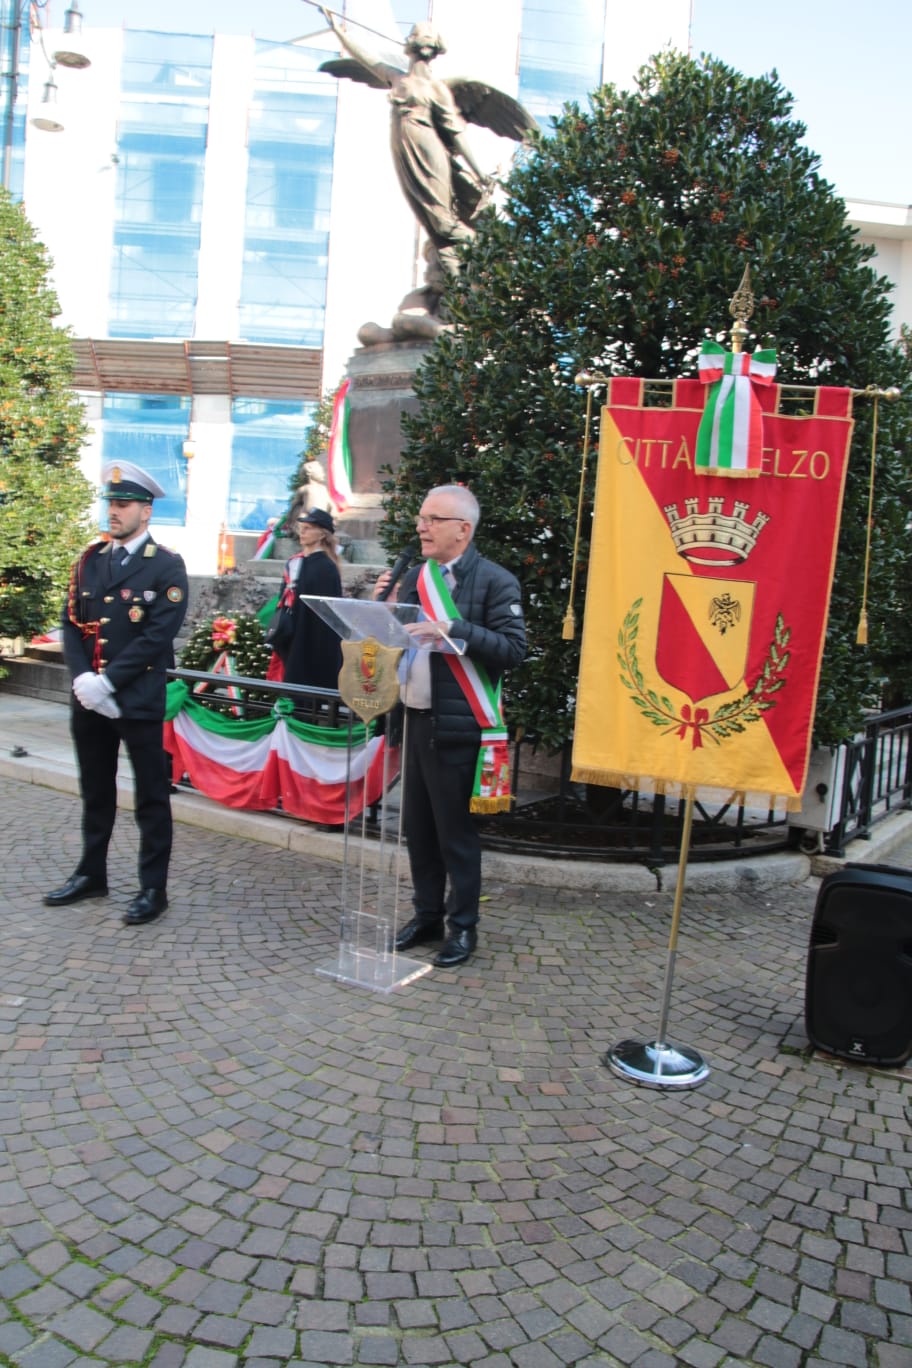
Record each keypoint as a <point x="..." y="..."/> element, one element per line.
<point x="440" y="831"/>
<point x="97" y="742"/>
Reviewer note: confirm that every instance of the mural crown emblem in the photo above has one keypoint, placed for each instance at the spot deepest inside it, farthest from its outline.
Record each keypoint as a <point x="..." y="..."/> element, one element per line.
<point x="712" y="536"/>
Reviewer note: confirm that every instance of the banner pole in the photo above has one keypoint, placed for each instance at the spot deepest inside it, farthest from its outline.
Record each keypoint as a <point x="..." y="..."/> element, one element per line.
<point x="676" y="913"/>
<point x="657" y="1064"/>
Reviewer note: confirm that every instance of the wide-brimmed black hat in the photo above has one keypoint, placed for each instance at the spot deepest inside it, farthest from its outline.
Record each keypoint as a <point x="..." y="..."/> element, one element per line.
<point x="320" y="518"/>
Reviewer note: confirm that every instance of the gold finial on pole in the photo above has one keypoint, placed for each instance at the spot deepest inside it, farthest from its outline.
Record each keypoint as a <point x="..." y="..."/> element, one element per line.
<point x="741" y="308"/>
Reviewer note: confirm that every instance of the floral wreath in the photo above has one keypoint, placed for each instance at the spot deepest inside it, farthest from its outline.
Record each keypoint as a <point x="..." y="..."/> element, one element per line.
<point x="227" y="646"/>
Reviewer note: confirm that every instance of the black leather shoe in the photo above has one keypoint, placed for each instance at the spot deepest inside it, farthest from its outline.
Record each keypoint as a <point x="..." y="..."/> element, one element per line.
<point x="77" y="887"/>
<point x="457" y="948"/>
<point x="419" y="932"/>
<point x="146" y="906"/>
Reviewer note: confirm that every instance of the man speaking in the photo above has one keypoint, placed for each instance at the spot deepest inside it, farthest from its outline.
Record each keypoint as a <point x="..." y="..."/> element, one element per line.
<point x="453" y="707"/>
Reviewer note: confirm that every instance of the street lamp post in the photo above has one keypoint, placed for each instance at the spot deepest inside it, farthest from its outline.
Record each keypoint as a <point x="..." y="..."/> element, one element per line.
<point x="14" y="13"/>
<point x="12" y="22"/>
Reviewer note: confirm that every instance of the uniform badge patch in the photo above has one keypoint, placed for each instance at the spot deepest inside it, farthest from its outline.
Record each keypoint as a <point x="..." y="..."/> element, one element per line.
<point x="149" y="595"/>
<point x="175" y="594"/>
<point x="126" y="594"/>
<point x="136" y="614"/>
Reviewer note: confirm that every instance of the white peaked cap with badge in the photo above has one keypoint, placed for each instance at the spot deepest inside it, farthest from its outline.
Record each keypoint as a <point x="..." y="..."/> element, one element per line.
<point x="124" y="480"/>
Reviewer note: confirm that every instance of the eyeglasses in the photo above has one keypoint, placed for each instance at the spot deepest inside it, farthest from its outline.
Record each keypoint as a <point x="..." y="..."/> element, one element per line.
<point x="431" y="519"/>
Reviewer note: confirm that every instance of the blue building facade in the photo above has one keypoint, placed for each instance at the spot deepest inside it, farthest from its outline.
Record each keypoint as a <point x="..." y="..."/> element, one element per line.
<point x="561" y="54"/>
<point x="162" y="140"/>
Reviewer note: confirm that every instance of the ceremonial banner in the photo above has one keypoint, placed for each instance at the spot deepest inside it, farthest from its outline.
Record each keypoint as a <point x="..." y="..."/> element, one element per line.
<point x="707" y="599"/>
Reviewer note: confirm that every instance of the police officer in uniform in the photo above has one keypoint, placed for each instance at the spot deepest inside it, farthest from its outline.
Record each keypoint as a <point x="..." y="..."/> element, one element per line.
<point x="126" y="602"/>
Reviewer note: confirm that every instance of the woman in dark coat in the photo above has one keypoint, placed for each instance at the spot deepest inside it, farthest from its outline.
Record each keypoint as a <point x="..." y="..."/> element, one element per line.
<point x="314" y="654"/>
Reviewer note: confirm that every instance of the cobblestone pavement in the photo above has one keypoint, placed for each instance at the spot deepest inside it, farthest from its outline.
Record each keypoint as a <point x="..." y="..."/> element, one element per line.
<point x="212" y="1156"/>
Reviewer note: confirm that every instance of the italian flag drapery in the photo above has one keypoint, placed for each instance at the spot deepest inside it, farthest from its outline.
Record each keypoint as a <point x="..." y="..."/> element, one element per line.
<point x="261" y="764"/>
<point x="266" y="543"/>
<point x="338" y="458"/>
<point x="707" y="599"/>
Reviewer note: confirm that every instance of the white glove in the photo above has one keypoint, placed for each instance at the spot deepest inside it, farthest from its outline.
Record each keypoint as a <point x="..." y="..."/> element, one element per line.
<point x="79" y="684"/>
<point x="94" y="691"/>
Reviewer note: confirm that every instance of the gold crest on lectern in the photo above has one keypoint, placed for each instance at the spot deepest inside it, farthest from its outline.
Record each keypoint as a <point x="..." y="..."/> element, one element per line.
<point x="368" y="680"/>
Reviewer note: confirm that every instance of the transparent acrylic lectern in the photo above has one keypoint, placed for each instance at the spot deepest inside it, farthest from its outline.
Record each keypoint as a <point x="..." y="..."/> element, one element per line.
<point x="369" y="684"/>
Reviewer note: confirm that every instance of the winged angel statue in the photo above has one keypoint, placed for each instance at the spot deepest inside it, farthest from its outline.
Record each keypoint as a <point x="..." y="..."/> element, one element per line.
<point x="438" y="173"/>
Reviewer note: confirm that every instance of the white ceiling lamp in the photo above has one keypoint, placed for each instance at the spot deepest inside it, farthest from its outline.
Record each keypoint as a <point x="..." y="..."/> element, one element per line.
<point x="48" y="117"/>
<point x="71" y="54"/>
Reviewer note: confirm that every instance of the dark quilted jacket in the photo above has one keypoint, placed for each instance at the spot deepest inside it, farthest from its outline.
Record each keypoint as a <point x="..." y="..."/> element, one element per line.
<point x="491" y="623"/>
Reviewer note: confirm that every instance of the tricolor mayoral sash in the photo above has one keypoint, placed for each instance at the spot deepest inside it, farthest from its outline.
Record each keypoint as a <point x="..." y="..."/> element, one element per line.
<point x="707" y="598"/>
<point x="491" y="790"/>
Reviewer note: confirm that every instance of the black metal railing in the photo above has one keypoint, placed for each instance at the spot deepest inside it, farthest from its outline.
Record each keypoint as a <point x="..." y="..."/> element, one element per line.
<point x="249" y="698"/>
<point x="876" y="778"/>
<point x="589" y="822"/>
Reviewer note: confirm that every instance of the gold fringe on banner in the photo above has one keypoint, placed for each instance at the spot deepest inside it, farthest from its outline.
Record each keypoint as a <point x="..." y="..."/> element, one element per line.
<point x="675" y="788"/>
<point x="488" y="805"/>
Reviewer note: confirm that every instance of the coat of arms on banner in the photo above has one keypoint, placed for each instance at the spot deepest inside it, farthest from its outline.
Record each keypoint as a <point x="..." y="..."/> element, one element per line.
<point x="702" y="649"/>
<point x="369" y="680"/>
<point x="705" y="621"/>
<point x="711" y="618"/>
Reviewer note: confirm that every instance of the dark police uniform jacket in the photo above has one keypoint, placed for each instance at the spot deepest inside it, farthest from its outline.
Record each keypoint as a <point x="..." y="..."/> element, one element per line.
<point x="123" y="621"/>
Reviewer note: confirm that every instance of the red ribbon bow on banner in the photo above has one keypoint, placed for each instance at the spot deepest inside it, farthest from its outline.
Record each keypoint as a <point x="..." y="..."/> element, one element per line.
<point x="700" y="716"/>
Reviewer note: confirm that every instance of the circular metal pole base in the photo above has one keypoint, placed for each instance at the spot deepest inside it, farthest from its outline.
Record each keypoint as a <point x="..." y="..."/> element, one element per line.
<point x="657" y="1065"/>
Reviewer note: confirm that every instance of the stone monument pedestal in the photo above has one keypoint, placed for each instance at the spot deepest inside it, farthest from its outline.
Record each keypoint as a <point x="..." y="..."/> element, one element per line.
<point x="381" y="391"/>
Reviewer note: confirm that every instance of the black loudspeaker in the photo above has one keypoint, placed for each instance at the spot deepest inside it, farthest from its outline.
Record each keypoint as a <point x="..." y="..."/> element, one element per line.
<point x="858" y="995"/>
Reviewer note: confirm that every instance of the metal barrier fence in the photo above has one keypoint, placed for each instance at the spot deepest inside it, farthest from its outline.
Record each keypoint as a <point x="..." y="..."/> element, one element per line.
<point x="256" y="697"/>
<point x="876" y="777"/>
<point x="589" y="822"/>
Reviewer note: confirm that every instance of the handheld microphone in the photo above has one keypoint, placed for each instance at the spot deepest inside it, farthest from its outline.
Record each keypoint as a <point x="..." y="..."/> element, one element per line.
<point x="403" y="561"/>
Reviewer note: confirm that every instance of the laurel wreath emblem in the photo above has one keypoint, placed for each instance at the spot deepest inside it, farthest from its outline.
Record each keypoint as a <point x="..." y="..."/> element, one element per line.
<point x="729" y="718"/>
